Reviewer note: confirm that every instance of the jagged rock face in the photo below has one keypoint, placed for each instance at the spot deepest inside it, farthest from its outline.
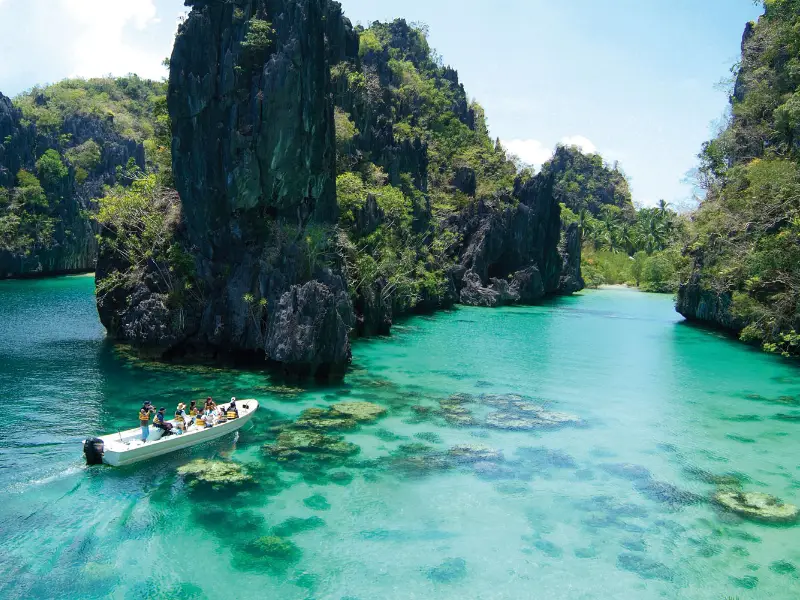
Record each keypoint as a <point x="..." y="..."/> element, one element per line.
<point x="570" y="250"/>
<point x="255" y="136"/>
<point x="74" y="247"/>
<point x="254" y="163"/>
<point x="19" y="151"/>
<point x="697" y="303"/>
<point x="513" y="255"/>
<point x="464" y="180"/>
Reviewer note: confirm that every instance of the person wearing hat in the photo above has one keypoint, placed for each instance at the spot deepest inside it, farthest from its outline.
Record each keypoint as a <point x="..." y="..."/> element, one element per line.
<point x="144" y="419"/>
<point x="233" y="411"/>
<point x="180" y="417"/>
<point x="160" y="421"/>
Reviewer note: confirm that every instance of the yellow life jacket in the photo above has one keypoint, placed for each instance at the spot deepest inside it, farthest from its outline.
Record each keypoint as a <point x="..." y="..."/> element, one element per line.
<point x="231" y="414"/>
<point x="193" y="412"/>
<point x="144" y="415"/>
<point x="200" y="423"/>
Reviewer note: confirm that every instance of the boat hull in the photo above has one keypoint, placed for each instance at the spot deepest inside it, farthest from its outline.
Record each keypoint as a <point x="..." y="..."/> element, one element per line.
<point x="128" y="448"/>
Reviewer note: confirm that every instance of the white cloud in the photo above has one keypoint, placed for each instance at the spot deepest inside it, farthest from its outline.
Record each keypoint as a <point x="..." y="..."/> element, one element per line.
<point x="536" y="153"/>
<point x="531" y="152"/>
<point x="43" y="41"/>
<point x="584" y="143"/>
<point x="101" y="45"/>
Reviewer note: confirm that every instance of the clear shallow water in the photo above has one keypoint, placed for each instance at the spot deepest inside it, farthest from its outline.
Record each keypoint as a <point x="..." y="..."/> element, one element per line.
<point x="615" y="508"/>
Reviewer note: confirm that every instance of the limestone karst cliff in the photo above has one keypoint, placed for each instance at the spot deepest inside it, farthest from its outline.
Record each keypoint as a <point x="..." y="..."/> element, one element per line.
<point x="745" y="274"/>
<point x="58" y="149"/>
<point x="326" y="180"/>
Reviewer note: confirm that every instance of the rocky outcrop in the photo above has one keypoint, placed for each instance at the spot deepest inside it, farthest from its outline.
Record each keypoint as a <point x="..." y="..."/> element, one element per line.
<point x="251" y="102"/>
<point x="697" y="302"/>
<point x="570" y="250"/>
<point x="254" y="163"/>
<point x="73" y="247"/>
<point x="515" y="254"/>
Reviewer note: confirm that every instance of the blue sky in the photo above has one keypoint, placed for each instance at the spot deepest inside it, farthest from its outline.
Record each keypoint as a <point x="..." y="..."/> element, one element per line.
<point x="638" y="81"/>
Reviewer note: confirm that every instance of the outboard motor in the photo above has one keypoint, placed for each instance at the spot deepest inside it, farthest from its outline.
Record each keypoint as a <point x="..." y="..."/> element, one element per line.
<point x="93" y="449"/>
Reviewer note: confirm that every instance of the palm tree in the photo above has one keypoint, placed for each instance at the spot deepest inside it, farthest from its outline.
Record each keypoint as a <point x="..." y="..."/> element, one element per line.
<point x="653" y="229"/>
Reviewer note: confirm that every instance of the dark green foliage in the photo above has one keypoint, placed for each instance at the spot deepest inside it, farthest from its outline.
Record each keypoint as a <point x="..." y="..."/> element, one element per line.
<point x="25" y="221"/>
<point x="125" y="103"/>
<point x="142" y="219"/>
<point x="585" y="182"/>
<point x="51" y="169"/>
<point x="747" y="240"/>
<point x="258" y="37"/>
<point x="641" y="248"/>
<point x="84" y="158"/>
<point x="46" y="205"/>
<point x="399" y="97"/>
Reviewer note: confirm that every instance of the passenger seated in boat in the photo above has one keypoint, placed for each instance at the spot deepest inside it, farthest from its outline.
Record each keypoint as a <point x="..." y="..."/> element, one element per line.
<point x="161" y="423"/>
<point x="193" y="410"/>
<point x="180" y="417"/>
<point x="233" y="411"/>
<point x="210" y="404"/>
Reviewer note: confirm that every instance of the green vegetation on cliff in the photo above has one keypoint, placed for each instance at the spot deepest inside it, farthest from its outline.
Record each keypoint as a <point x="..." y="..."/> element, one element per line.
<point x="70" y="140"/>
<point x="584" y="182"/>
<point x="412" y="151"/>
<point x="125" y="103"/>
<point x="746" y="247"/>
<point x="620" y="243"/>
<point x="24" y="216"/>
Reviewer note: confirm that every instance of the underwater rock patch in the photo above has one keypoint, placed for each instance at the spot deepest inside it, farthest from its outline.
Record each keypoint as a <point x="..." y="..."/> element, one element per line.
<point x="607" y="504"/>
<point x="294" y="525"/>
<point x="214" y="473"/>
<point x="741" y="439"/>
<point x="364" y="412"/>
<point x="782" y="567"/>
<point x="524" y="416"/>
<point x="451" y="570"/>
<point x="585" y="552"/>
<point x="272" y="546"/>
<point x="748" y="582"/>
<point x="645" y="568"/>
<point x="428" y="436"/>
<point x="635" y="545"/>
<point x="740" y="551"/>
<point x="453" y="411"/>
<point x="474" y="453"/>
<point x="493" y="471"/>
<point x="666" y="493"/>
<point x="292" y="443"/>
<point x="317" y="502"/>
<point x="757" y="506"/>
<point x="341" y="478"/>
<point x="548" y="548"/>
<point x="626" y="471"/>
<point x="724" y="480"/>
<point x="788" y="417"/>
<point x="326" y="420"/>
<point x="543" y="458"/>
<point x="388" y="436"/>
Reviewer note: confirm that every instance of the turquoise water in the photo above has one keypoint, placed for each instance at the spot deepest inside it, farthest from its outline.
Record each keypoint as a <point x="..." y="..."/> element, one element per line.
<point x="613" y="506"/>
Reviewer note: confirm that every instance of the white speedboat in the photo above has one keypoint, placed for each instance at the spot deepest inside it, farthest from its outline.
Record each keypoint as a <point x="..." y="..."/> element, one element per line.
<point x="127" y="447"/>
